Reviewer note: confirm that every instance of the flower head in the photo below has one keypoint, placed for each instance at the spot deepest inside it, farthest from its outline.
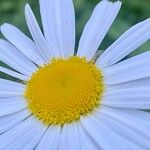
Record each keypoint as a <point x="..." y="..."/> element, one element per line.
<point x="68" y="101"/>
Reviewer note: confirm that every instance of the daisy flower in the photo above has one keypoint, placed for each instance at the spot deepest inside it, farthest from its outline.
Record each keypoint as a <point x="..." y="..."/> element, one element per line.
<point x="74" y="101"/>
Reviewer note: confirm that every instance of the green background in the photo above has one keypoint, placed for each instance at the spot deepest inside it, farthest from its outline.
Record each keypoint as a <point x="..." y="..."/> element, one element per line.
<point x="132" y="12"/>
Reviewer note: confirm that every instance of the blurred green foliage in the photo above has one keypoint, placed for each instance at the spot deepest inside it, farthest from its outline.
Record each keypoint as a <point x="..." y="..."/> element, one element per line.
<point x="133" y="11"/>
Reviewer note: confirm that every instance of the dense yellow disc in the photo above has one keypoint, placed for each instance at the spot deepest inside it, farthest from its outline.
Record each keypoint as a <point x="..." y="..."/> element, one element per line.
<point x="64" y="90"/>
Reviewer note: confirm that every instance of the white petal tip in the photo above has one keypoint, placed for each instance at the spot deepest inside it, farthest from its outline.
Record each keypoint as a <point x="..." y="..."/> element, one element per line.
<point x="119" y="3"/>
<point x="27" y="7"/>
<point x="3" y="26"/>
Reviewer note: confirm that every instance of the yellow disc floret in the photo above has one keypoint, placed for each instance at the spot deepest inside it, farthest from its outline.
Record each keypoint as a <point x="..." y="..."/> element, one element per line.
<point x="64" y="90"/>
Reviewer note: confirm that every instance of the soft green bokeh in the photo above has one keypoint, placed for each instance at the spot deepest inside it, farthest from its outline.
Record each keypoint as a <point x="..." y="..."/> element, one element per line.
<point x="133" y="11"/>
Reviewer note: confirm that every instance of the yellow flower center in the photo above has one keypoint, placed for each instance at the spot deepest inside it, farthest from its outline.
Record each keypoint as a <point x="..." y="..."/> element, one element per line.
<point x="64" y="90"/>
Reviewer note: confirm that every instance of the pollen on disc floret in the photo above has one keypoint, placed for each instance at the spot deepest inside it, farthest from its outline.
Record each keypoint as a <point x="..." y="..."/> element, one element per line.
<point x="64" y="90"/>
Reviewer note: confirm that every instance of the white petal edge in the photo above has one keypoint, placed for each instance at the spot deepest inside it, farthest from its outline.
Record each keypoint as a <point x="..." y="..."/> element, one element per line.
<point x="37" y="35"/>
<point x="22" y="43"/>
<point x="8" y="83"/>
<point x="131" y="69"/>
<point x="134" y="119"/>
<point x="129" y="41"/>
<point x="14" y="88"/>
<point x="125" y="132"/>
<point x="12" y="105"/>
<point x="132" y="84"/>
<point x="50" y="139"/>
<point x="26" y="135"/>
<point x="58" y="20"/>
<point x="14" y="74"/>
<point x="69" y="138"/>
<point x="105" y="137"/>
<point x="95" y="30"/>
<point x="7" y="122"/>
<point x="15" y="59"/>
<point x="87" y="142"/>
<point x="132" y="98"/>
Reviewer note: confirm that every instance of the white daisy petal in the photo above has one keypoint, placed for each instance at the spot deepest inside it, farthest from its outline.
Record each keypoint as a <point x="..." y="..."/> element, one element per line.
<point x="9" y="121"/>
<point x="22" y="42"/>
<point x="12" y="57"/>
<point x="9" y="94"/>
<point x="13" y="73"/>
<point x="136" y="60"/>
<point x="131" y="69"/>
<point x="105" y="137"/>
<point x="87" y="142"/>
<point x="133" y="119"/>
<point x="58" y="20"/>
<point x="35" y="140"/>
<point x="41" y="43"/>
<point x="126" y="98"/>
<point x="132" y="84"/>
<point x="143" y="115"/>
<point x="128" y="42"/>
<point x="97" y="27"/>
<point x="126" y="132"/>
<point x="66" y="142"/>
<point x="11" y="105"/>
<point x="50" y="139"/>
<point x="12" y="89"/>
<point x="26" y="135"/>
<point x="9" y="83"/>
<point x="11" y="86"/>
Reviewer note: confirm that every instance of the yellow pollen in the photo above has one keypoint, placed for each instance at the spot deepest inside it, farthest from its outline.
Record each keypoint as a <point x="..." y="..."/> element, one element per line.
<point x="64" y="90"/>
